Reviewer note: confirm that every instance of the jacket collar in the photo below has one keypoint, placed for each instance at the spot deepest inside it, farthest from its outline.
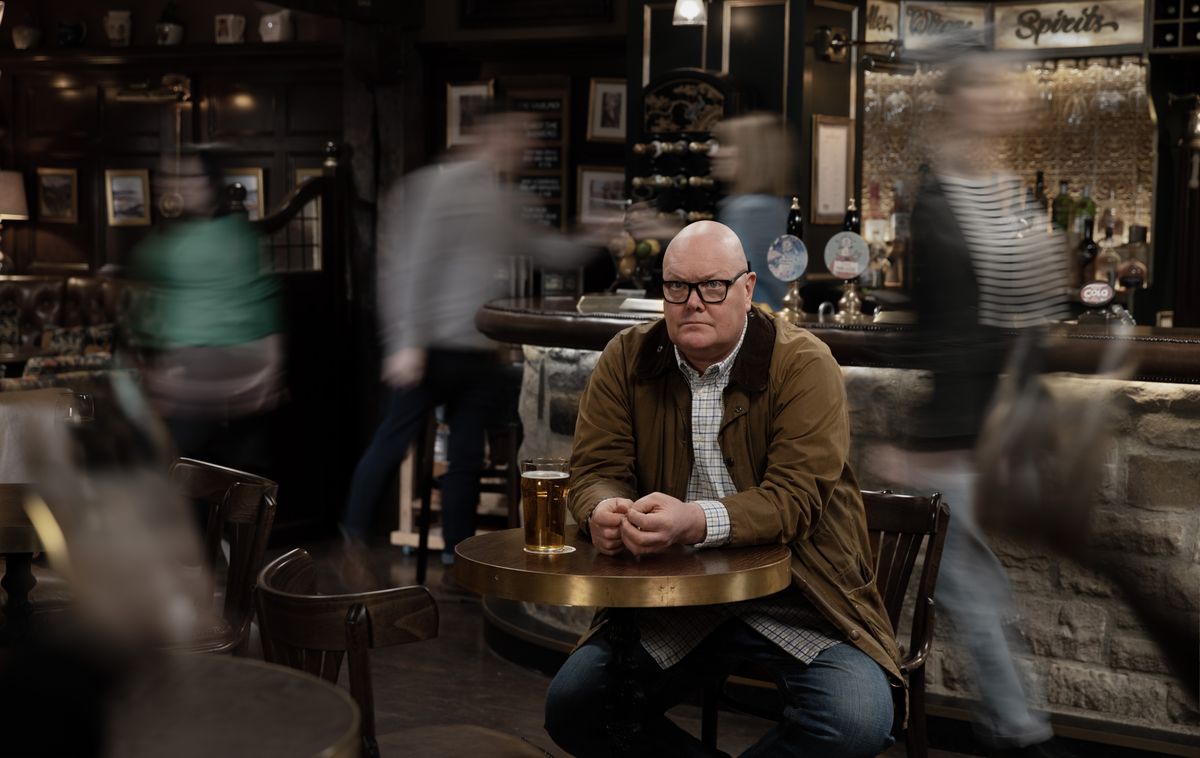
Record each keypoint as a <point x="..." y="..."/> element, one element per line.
<point x="750" y="368"/>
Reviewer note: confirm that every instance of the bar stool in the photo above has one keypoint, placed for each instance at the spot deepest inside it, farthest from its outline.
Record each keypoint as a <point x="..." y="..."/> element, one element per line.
<point x="500" y="475"/>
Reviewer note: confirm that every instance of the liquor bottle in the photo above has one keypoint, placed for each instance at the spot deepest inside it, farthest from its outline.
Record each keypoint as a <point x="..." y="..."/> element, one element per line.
<point x="1107" y="260"/>
<point x="1085" y="210"/>
<point x="1039" y="192"/>
<point x="1134" y="272"/>
<point x="1088" y="250"/>
<point x="1108" y="219"/>
<point x="901" y="228"/>
<point x="1063" y="209"/>
<point x="852" y="221"/>
<point x="795" y="220"/>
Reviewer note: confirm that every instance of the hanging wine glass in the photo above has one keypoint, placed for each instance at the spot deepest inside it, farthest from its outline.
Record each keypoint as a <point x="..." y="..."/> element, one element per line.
<point x="896" y="107"/>
<point x="871" y="102"/>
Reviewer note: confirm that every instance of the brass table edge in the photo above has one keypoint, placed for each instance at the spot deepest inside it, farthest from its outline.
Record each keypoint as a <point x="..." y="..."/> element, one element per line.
<point x="616" y="591"/>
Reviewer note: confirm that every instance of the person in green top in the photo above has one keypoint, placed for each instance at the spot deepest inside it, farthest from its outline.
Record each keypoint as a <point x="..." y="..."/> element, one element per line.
<point x="208" y="324"/>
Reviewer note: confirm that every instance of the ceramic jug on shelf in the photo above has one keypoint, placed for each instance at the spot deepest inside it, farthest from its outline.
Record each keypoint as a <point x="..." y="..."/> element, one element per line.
<point x="276" y="27"/>
<point x="229" y="28"/>
<point x="117" y="27"/>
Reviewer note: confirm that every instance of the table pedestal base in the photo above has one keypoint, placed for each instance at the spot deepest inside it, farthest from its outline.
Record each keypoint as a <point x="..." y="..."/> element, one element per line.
<point x="18" y="581"/>
<point x="624" y="722"/>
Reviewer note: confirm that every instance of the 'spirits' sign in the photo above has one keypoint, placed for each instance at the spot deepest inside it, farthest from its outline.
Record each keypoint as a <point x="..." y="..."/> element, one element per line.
<point x="1049" y="26"/>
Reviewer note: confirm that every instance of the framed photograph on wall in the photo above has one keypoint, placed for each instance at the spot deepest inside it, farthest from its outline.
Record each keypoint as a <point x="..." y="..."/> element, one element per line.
<point x="252" y="180"/>
<point x="465" y="103"/>
<point x="601" y="193"/>
<point x="128" y="194"/>
<point x="58" y="195"/>
<point x="607" y="105"/>
<point x="832" y="167"/>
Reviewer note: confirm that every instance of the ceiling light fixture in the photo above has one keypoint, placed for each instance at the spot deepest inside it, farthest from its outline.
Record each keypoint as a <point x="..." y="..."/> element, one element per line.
<point x="690" y="13"/>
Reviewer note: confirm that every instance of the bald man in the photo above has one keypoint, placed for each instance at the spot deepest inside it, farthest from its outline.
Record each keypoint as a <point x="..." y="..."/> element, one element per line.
<point x="719" y="426"/>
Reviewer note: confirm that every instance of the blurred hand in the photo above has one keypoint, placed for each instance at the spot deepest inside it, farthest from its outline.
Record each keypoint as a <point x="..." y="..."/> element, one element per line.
<point x="405" y="368"/>
<point x="658" y="521"/>
<point x="605" y="524"/>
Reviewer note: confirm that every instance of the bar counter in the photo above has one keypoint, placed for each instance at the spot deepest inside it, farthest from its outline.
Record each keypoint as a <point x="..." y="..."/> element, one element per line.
<point x="1162" y="355"/>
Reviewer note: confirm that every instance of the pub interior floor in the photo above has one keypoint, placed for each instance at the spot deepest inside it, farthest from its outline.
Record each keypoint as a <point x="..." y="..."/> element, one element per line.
<point x="457" y="679"/>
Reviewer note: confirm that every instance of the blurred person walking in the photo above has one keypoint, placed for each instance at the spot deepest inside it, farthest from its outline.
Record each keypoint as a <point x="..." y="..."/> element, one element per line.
<point x="980" y="268"/>
<point x="755" y="163"/>
<point x="209" y="327"/>
<point x="447" y="237"/>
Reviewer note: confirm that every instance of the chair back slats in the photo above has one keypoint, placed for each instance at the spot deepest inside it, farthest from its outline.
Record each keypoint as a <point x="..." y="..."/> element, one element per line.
<point x="317" y="632"/>
<point x="241" y="509"/>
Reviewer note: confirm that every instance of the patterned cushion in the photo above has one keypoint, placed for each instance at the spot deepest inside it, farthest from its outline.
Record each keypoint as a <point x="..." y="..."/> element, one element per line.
<point x="98" y="338"/>
<point x="10" y="328"/>
<point x="63" y="340"/>
<point x="45" y="365"/>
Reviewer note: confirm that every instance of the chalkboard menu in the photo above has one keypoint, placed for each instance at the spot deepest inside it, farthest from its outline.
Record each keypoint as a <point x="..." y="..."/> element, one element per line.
<point x="542" y="175"/>
<point x="549" y="187"/>
<point x="542" y="215"/>
<point x="549" y="158"/>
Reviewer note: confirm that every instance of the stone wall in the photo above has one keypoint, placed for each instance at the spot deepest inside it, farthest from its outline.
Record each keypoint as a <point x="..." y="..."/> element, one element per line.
<point x="1086" y="652"/>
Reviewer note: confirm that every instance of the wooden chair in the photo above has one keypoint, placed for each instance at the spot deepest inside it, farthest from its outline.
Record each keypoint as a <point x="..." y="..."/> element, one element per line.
<point x="899" y="527"/>
<point x="315" y="633"/>
<point x="498" y="476"/>
<point x="240" y="509"/>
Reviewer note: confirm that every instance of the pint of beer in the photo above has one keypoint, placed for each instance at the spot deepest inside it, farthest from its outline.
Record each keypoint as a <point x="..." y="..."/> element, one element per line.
<point x="544" y="485"/>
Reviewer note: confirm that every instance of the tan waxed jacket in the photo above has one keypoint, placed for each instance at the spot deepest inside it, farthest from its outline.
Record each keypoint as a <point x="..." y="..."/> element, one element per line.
<point x="785" y="437"/>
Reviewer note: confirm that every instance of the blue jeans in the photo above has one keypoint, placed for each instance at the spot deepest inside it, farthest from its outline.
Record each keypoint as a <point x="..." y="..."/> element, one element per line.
<point x="839" y="706"/>
<point x="475" y="388"/>
<point x="973" y="591"/>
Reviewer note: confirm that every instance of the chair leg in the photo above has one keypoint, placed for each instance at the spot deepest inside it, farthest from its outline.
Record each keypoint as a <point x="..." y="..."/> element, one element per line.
<point x="513" y="493"/>
<point x="916" y="740"/>
<point x="709" y="713"/>
<point x="424" y="465"/>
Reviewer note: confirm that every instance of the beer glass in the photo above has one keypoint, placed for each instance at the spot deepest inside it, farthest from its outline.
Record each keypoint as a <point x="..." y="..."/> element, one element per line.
<point x="544" y="486"/>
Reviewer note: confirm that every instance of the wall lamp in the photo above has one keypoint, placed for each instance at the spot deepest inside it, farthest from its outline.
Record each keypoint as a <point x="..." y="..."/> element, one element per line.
<point x="690" y="13"/>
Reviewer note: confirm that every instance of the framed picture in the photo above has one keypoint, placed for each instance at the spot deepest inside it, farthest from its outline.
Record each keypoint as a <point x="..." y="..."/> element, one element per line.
<point x="58" y="195"/>
<point x="601" y="193"/>
<point x="464" y="105"/>
<point x="309" y="220"/>
<point x="252" y="180"/>
<point x="128" y="193"/>
<point x="606" y="110"/>
<point x="832" y="167"/>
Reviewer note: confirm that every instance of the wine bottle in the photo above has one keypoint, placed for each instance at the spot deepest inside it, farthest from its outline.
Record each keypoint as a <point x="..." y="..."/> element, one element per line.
<point x="1109" y="219"/>
<point x="707" y="147"/>
<point x="1085" y="210"/>
<point x="1088" y="250"/>
<point x="852" y="221"/>
<point x="1064" y="208"/>
<point x="652" y="148"/>
<point x="795" y="220"/>
<point x="1039" y="192"/>
<point x="700" y="181"/>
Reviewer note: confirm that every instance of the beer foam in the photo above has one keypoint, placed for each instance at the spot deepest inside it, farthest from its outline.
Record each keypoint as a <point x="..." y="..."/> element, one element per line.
<point x="544" y="475"/>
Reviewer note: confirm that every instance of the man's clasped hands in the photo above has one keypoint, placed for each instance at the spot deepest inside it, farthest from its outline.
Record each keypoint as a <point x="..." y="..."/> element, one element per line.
<point x="648" y="525"/>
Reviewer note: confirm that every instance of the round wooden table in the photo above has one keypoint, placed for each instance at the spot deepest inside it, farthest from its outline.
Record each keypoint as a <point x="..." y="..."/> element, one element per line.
<point x="496" y="564"/>
<point x="209" y="705"/>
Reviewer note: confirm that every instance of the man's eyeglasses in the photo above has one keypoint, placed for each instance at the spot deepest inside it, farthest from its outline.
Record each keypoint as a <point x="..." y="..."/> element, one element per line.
<point x="712" y="291"/>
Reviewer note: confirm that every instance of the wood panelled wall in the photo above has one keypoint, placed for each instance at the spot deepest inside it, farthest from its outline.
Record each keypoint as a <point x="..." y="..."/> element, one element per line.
<point x="259" y="106"/>
<point x="766" y="46"/>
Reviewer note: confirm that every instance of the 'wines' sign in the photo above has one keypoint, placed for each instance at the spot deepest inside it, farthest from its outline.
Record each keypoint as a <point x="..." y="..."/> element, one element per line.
<point x="883" y="21"/>
<point x="1055" y="26"/>
<point x="926" y="24"/>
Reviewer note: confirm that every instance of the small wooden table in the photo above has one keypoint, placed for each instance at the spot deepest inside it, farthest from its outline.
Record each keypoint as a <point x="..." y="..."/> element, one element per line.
<point x="496" y="564"/>
<point x="189" y="706"/>
<point x="18" y="543"/>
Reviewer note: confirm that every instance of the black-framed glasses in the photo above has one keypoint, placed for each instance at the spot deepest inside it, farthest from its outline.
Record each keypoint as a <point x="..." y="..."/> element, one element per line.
<point x="712" y="291"/>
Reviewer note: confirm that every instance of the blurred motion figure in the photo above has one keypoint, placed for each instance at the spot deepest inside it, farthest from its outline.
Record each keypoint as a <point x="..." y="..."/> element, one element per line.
<point x="755" y="163"/>
<point x="209" y="328"/>
<point x="981" y="266"/>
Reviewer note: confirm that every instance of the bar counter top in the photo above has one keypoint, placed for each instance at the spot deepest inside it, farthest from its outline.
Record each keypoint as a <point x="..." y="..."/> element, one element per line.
<point x="1162" y="355"/>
